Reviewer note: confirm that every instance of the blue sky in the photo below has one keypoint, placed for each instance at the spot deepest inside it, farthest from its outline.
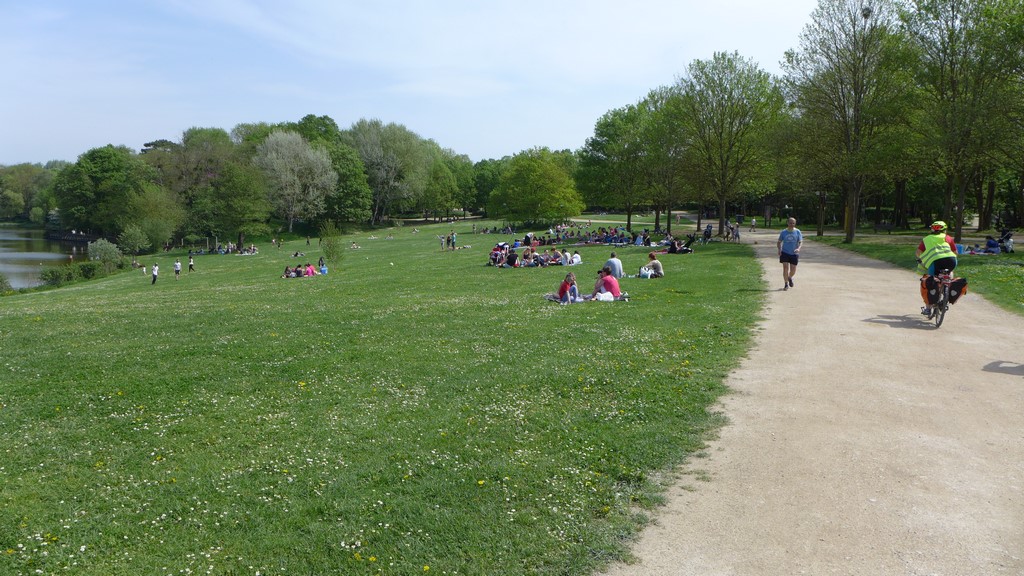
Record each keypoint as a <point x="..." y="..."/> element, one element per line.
<point x="484" y="78"/>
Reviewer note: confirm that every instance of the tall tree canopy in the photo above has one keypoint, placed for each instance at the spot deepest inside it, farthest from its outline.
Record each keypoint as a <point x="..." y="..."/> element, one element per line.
<point x="93" y="192"/>
<point x="727" y="108"/>
<point x="969" y="64"/>
<point x="537" y="187"/>
<point x="397" y="164"/>
<point x="611" y="169"/>
<point x="299" y="175"/>
<point x="847" y="79"/>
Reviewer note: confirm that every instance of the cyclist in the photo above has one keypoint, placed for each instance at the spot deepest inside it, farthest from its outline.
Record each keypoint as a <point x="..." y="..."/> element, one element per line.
<point x="936" y="252"/>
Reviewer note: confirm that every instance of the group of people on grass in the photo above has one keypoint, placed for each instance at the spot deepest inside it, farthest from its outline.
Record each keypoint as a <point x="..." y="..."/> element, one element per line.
<point x="606" y="289"/>
<point x="305" y="271"/>
<point x="505" y="256"/>
<point x="606" y="286"/>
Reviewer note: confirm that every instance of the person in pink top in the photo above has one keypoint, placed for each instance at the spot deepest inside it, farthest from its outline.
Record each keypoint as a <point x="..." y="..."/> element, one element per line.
<point x="607" y="284"/>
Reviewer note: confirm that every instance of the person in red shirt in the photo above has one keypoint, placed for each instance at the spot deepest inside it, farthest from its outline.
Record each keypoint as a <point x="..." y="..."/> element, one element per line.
<point x="568" y="292"/>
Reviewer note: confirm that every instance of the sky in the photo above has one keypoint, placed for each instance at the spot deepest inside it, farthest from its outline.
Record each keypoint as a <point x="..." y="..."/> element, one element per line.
<point x="485" y="78"/>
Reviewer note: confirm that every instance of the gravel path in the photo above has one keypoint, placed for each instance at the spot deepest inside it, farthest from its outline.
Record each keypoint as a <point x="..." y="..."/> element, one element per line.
<point x="861" y="440"/>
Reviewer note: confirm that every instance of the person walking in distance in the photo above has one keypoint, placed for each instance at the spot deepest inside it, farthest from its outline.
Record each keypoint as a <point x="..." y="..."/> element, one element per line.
<point x="156" y="272"/>
<point x="789" y="244"/>
<point x="191" y="265"/>
<point x="177" y="268"/>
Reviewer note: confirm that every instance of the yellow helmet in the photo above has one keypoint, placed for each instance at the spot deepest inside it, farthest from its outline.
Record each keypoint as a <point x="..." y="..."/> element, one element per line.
<point x="938" y="226"/>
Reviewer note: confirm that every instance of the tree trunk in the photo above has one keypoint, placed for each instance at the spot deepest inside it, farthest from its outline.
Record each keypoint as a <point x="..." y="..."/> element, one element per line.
<point x="721" y="215"/>
<point x="899" y="217"/>
<point x="852" y="208"/>
<point x="947" y="201"/>
<point x="979" y="199"/>
<point x="960" y="201"/>
<point x="657" y="219"/>
<point x="986" y="215"/>
<point x="821" y="214"/>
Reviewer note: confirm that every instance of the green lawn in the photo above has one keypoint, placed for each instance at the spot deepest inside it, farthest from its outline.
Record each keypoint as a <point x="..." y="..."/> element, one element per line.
<point x="413" y="411"/>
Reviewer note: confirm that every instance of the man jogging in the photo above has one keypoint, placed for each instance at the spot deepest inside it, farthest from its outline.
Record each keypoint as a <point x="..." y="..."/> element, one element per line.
<point x="790" y="241"/>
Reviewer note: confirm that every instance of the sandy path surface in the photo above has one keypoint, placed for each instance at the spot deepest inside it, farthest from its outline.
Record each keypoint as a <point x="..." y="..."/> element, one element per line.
<point x="861" y="439"/>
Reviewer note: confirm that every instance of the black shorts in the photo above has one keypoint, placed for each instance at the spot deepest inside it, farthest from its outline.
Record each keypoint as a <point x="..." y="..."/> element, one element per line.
<point x="787" y="258"/>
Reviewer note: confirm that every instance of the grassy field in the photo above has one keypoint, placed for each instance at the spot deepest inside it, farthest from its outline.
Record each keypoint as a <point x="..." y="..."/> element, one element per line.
<point x="999" y="278"/>
<point x="414" y="411"/>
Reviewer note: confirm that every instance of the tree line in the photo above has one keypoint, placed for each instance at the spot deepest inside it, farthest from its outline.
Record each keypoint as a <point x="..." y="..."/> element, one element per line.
<point x="885" y="109"/>
<point x="891" y="110"/>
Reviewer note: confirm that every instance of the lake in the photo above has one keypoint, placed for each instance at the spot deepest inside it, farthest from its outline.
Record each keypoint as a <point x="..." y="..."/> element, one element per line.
<point x="25" y="253"/>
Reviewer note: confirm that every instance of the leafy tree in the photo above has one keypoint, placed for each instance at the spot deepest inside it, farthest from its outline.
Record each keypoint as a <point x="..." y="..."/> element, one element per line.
<point x="536" y="188"/>
<point x="663" y="164"/>
<point x="970" y="59"/>
<point x="331" y="243"/>
<point x="27" y="180"/>
<point x="299" y="175"/>
<point x="486" y="176"/>
<point x="240" y="206"/>
<point x="848" y="79"/>
<point x="93" y="192"/>
<point x="133" y="240"/>
<point x="106" y="252"/>
<point x="351" y="198"/>
<point x="440" y="193"/>
<point x="610" y="170"/>
<point x="36" y="215"/>
<point x="461" y="168"/>
<point x="397" y="164"/>
<point x="12" y="204"/>
<point x="728" y="106"/>
<point x="156" y="212"/>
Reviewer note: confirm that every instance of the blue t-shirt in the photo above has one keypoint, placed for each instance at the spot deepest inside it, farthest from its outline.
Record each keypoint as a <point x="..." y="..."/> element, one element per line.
<point x="790" y="240"/>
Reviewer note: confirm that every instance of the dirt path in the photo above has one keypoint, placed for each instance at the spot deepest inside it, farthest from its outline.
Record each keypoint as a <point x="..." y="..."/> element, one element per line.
<point x="861" y="439"/>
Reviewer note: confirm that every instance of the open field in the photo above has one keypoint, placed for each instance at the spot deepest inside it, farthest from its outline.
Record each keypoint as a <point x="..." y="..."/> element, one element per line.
<point x="413" y="411"/>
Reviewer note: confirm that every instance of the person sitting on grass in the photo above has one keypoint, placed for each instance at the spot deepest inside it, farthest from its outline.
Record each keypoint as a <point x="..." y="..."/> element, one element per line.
<point x="568" y="291"/>
<point x="606" y="288"/>
<point x="512" y="260"/>
<point x="653" y="269"/>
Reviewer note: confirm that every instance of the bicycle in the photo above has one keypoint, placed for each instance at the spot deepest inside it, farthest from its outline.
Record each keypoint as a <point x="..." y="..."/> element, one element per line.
<point x="944" y="278"/>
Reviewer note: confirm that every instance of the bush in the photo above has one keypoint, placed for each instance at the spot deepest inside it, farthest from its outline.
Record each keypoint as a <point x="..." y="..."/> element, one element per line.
<point x="106" y="252"/>
<point x="60" y="275"/>
<point x="5" y="284"/>
<point x="91" y="269"/>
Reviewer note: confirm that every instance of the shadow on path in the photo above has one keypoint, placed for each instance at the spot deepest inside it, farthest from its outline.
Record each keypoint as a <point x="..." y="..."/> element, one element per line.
<point x="911" y="322"/>
<point x="1003" y="367"/>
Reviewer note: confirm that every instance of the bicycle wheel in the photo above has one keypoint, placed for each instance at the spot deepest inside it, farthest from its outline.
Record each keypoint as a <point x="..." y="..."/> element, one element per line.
<point x="941" y="306"/>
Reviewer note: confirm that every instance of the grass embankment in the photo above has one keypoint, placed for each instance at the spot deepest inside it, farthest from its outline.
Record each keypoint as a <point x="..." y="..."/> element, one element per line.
<point x="413" y="411"/>
<point x="998" y="278"/>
